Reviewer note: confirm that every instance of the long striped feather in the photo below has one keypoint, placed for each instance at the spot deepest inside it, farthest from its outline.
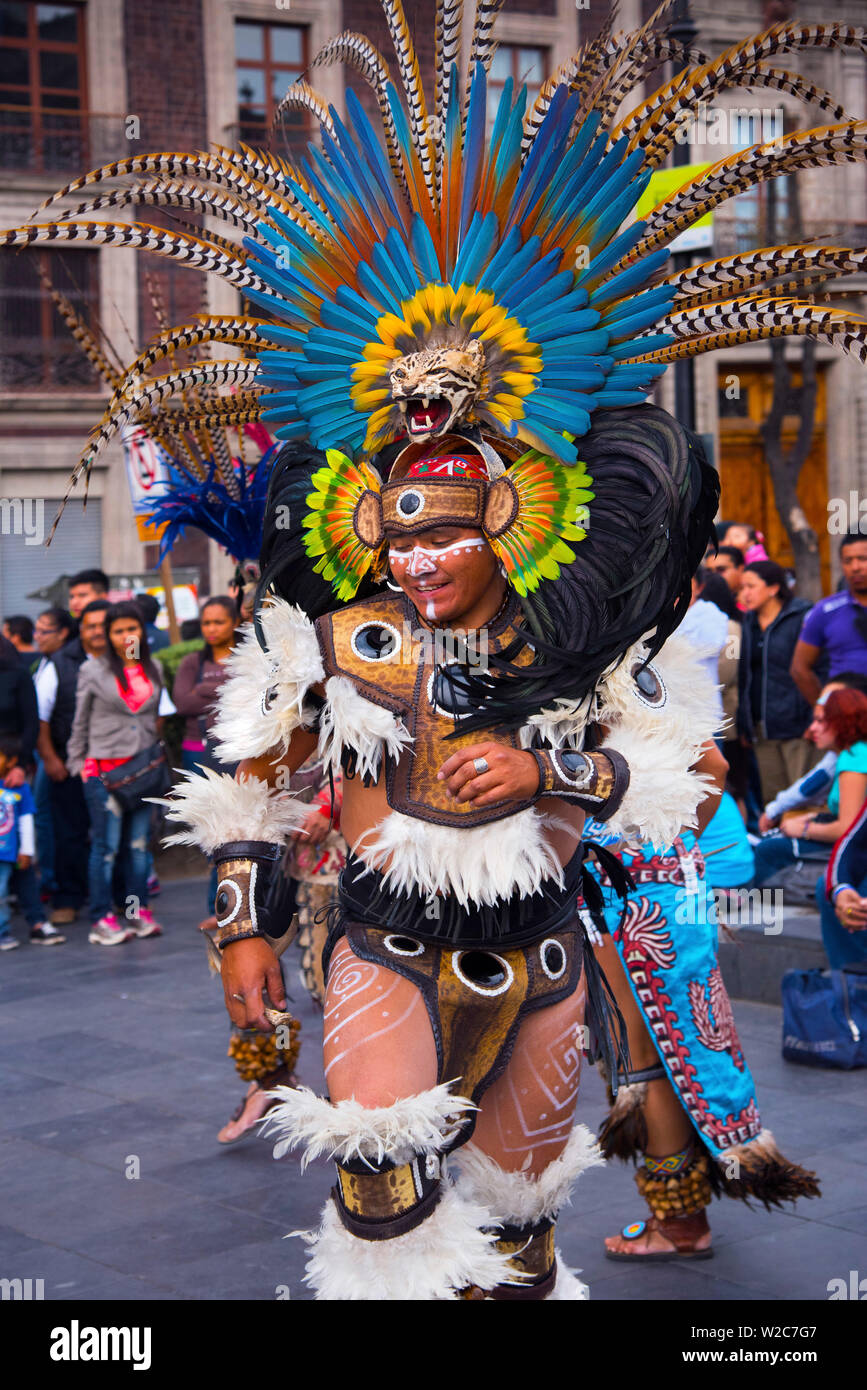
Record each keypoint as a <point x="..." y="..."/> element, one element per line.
<point x="716" y="279"/>
<point x="186" y="250"/>
<point x="835" y="144"/>
<point x="411" y="78"/>
<point x="300" y="96"/>
<point x="359" y="53"/>
<point x="745" y="321"/>
<point x="654" y="116"/>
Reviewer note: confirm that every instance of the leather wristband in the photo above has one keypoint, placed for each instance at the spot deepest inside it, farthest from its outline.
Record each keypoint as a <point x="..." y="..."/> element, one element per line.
<point x="596" y="782"/>
<point x="242" y="867"/>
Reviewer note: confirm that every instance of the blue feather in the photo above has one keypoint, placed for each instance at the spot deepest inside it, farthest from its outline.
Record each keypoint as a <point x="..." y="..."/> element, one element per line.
<point x="474" y="144"/>
<point x="476" y="250"/>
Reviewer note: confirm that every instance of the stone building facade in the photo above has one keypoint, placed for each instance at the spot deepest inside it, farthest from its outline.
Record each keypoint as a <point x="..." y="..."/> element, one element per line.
<point x="97" y="80"/>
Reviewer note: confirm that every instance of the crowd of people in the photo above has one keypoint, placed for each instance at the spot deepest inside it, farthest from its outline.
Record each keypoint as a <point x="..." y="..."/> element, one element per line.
<point x="83" y="694"/>
<point x="83" y="703"/>
<point x="793" y="679"/>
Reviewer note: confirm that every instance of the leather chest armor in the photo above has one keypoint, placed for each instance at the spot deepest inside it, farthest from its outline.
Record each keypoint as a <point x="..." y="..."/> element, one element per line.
<point x="392" y="660"/>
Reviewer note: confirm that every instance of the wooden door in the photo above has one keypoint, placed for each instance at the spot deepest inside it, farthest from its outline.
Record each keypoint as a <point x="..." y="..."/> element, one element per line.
<point x="747" y="493"/>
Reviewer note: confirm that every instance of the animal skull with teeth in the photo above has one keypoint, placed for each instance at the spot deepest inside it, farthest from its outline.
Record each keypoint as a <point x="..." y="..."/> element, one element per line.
<point x="436" y="388"/>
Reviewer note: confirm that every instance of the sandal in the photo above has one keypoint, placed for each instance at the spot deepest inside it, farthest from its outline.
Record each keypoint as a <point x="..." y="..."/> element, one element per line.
<point x="681" y="1231"/>
<point x="251" y="1122"/>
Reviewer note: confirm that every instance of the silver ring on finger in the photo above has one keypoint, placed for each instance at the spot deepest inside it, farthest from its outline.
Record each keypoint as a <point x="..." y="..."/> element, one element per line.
<point x="481" y="765"/>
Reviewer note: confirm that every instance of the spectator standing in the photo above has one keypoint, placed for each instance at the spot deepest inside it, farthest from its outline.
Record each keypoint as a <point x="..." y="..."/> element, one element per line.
<point x="198" y="679"/>
<point x="17" y="839"/>
<point x="729" y="564"/>
<point x="705" y="626"/>
<point x="53" y="629"/>
<point x="68" y="807"/>
<point x="19" y="631"/>
<point x="842" y="897"/>
<point x="84" y="587"/>
<point x="837" y="625"/>
<point x="150" y="608"/>
<point x="747" y="539"/>
<point x="121" y="698"/>
<point x="772" y="713"/>
<point x="839" y="723"/>
<point x="18" y="714"/>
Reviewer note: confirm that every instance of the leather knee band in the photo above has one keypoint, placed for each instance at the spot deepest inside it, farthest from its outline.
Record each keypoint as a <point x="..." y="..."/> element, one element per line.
<point x="381" y="1201"/>
<point x="476" y="998"/>
<point x="677" y="1185"/>
<point x="531" y="1254"/>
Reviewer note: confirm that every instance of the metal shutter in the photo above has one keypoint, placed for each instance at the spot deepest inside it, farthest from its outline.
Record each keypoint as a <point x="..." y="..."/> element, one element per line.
<point x="77" y="545"/>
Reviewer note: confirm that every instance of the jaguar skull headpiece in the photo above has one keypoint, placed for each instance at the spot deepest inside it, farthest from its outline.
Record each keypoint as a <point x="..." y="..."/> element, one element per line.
<point x="436" y="389"/>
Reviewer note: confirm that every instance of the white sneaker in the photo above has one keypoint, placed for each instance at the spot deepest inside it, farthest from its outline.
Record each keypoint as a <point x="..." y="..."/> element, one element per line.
<point x="8" y="943"/>
<point x="108" y="932"/>
<point x="43" y="934"/>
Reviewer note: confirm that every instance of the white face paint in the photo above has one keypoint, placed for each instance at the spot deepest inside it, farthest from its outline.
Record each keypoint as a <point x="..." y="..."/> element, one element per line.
<point x="424" y="560"/>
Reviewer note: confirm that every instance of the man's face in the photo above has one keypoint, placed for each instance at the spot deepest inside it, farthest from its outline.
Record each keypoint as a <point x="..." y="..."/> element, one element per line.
<point x="444" y="572"/>
<point x="92" y="633"/>
<point x="80" y="596"/>
<point x="49" y="638"/>
<point x="732" y="574"/>
<point x="854" y="562"/>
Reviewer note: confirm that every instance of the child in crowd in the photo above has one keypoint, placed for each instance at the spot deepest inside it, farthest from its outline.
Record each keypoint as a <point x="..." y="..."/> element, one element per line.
<point x="17" y="842"/>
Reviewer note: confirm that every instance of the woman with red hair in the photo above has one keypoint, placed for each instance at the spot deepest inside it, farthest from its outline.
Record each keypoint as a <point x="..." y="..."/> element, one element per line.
<point x="840" y="723"/>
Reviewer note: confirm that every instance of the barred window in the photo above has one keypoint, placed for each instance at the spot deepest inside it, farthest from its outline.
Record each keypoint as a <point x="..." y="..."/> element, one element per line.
<point x="524" y="64"/>
<point x="38" y="351"/>
<point x="42" y="86"/>
<point x="268" y="59"/>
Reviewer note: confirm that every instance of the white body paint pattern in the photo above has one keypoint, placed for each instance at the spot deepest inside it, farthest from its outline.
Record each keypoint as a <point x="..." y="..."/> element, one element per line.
<point x="424" y="559"/>
<point x="359" y="994"/>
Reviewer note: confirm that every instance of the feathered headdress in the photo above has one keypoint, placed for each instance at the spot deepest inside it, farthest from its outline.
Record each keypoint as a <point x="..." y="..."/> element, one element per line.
<point x="506" y="250"/>
<point x="428" y="275"/>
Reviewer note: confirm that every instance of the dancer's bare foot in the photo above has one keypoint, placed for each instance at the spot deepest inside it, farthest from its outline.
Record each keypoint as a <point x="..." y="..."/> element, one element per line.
<point x="676" y="1238"/>
<point x="247" y="1115"/>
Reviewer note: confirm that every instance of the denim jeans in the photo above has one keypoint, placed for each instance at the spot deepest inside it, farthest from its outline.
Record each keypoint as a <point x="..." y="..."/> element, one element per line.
<point x="107" y="825"/>
<point x="5" y="916"/>
<point x="69" y="810"/>
<point x="25" y="883"/>
<point x="44" y="823"/>
<point x="842" y="947"/>
<point x="777" y="851"/>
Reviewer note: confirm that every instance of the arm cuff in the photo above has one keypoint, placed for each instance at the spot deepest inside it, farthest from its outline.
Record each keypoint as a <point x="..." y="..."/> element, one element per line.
<point x="596" y="782"/>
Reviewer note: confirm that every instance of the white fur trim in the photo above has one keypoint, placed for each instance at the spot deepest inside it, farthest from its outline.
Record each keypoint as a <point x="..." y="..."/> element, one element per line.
<point x="517" y="1198"/>
<point x="350" y="721"/>
<point x="659" y="744"/>
<point x="260" y="701"/>
<point x="445" y="1254"/>
<point x="480" y="864"/>
<point x="560" y="726"/>
<point x="568" y="1287"/>
<point x="424" y="1123"/>
<point x="216" y="808"/>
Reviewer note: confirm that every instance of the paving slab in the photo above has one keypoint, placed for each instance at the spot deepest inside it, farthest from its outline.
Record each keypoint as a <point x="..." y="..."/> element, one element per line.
<point x="109" y="1055"/>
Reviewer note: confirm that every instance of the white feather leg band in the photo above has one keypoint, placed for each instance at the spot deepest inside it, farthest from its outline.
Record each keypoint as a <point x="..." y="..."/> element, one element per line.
<point x="517" y="1198"/>
<point x="260" y="702"/>
<point x="215" y="809"/>
<point x="350" y="721"/>
<point x="449" y="1251"/>
<point x="346" y="1130"/>
<point x="483" y="864"/>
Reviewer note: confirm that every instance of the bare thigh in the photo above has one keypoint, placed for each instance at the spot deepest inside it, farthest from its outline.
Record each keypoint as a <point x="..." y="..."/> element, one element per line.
<point x="378" y="1045"/>
<point x="527" y="1114"/>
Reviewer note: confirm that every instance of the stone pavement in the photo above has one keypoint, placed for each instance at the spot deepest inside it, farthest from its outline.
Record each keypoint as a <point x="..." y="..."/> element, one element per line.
<point x="110" y="1055"/>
